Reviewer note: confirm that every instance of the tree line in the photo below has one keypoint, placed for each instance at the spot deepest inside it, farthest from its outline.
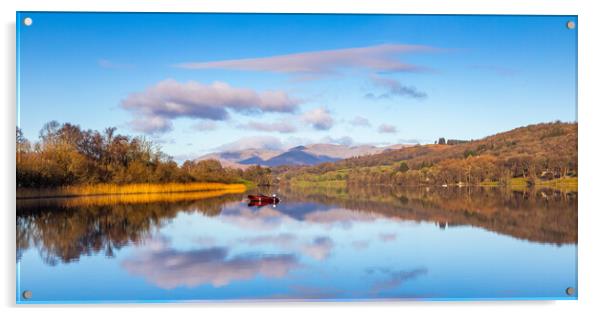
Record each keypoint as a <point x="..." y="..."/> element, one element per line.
<point x="65" y="154"/>
<point x="532" y="153"/>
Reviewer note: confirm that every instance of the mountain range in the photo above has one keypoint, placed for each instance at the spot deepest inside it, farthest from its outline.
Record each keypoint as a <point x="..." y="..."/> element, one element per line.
<point x="301" y="155"/>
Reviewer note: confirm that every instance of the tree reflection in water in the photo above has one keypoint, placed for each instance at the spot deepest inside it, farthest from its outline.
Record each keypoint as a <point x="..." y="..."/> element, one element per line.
<point x="63" y="230"/>
<point x="539" y="215"/>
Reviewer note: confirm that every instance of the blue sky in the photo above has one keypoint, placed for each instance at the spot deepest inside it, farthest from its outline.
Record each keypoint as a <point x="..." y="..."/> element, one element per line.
<point x="196" y="83"/>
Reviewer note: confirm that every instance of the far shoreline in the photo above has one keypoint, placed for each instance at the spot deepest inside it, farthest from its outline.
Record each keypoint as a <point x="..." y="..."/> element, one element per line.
<point x="565" y="183"/>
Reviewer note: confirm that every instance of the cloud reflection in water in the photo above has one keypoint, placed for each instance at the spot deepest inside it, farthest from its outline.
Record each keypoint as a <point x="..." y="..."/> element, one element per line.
<point x="168" y="268"/>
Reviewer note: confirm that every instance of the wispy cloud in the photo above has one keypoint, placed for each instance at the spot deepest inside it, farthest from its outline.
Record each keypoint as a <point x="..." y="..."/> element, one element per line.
<point x="205" y="126"/>
<point x="394" y="278"/>
<point x="386" y="237"/>
<point x="393" y="88"/>
<point x="282" y="240"/>
<point x="360" y="121"/>
<point x="345" y="140"/>
<point x="151" y="124"/>
<point x="379" y="58"/>
<point x="409" y="141"/>
<point x="253" y="142"/>
<point x="320" y="248"/>
<point x="155" y="107"/>
<point x="163" y="141"/>
<point x="280" y="127"/>
<point x="387" y="129"/>
<point x="318" y="118"/>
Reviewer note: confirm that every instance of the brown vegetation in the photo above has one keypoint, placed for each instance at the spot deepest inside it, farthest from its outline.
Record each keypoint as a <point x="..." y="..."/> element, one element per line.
<point x="66" y="155"/>
<point x="534" y="153"/>
<point x="140" y="191"/>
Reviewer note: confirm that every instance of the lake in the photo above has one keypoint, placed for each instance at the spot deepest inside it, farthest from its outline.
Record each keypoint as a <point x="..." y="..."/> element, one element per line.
<point x="318" y="243"/>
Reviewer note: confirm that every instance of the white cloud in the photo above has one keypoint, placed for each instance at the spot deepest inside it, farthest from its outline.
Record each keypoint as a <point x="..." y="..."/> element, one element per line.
<point x="280" y="127"/>
<point x="170" y="99"/>
<point x="387" y="129"/>
<point x="253" y="142"/>
<point x="393" y="88"/>
<point x="151" y="124"/>
<point x="318" y="118"/>
<point x="170" y="268"/>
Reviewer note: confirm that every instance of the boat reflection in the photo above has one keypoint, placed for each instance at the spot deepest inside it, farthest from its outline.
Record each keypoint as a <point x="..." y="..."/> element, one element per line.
<point x="260" y="200"/>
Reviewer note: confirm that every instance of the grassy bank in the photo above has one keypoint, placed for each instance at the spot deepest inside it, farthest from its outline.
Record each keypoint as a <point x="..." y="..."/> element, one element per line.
<point x="566" y="183"/>
<point x="319" y="184"/>
<point x="137" y="188"/>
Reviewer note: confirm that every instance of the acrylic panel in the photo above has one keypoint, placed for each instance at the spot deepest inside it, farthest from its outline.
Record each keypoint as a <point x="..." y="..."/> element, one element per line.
<point x="279" y="157"/>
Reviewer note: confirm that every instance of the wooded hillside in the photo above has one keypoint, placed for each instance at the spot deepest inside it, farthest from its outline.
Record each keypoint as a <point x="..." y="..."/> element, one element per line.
<point x="534" y="153"/>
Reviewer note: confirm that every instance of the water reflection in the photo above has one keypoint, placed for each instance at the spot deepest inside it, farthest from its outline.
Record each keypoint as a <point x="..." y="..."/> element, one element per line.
<point x="169" y="268"/>
<point x="542" y="215"/>
<point x="63" y="232"/>
<point x="393" y="278"/>
<point x="317" y="243"/>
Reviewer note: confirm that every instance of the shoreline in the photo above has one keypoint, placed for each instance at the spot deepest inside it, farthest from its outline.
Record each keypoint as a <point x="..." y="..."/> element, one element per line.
<point x="98" y="190"/>
<point x="569" y="184"/>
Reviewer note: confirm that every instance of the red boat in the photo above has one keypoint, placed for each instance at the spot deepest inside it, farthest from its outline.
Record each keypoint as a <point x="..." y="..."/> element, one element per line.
<point x="260" y="199"/>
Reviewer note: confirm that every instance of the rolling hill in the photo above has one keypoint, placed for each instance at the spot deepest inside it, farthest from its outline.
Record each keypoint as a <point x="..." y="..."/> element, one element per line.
<point x="539" y="152"/>
<point x="309" y="155"/>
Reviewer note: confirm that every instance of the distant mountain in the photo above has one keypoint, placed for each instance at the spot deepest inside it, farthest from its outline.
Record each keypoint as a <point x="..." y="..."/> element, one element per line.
<point x="343" y="152"/>
<point x="241" y="159"/>
<point x="298" y="156"/>
<point x="225" y="162"/>
<point x="301" y="155"/>
<point x="252" y="161"/>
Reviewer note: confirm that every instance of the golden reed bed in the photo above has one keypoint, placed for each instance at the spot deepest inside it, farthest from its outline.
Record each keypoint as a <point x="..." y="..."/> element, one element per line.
<point x="127" y="189"/>
<point x="142" y="198"/>
<point x="130" y="194"/>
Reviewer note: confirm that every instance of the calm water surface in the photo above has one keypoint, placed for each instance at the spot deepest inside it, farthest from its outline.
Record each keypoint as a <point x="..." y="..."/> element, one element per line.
<point x="333" y="244"/>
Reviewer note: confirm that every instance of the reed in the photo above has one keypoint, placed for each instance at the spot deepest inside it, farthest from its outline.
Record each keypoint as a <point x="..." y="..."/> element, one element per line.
<point x="141" y="198"/>
<point x="122" y="189"/>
